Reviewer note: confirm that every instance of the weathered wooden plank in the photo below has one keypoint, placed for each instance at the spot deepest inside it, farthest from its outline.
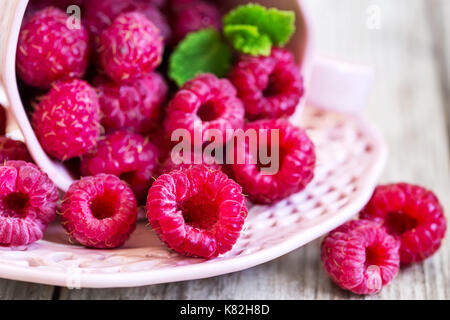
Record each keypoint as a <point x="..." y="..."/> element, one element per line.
<point x="16" y="290"/>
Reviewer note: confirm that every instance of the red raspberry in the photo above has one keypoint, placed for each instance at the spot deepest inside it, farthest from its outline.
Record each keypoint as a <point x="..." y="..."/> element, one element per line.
<point x="99" y="212"/>
<point x="130" y="47"/>
<point x="177" y="162"/>
<point x="28" y="203"/>
<point x="126" y="155"/>
<point x="100" y="14"/>
<point x="197" y="212"/>
<point x="361" y="257"/>
<point x="296" y="162"/>
<point x="205" y="103"/>
<point x="66" y="121"/>
<point x="270" y="87"/>
<point x="13" y="150"/>
<point x="194" y="16"/>
<point x="134" y="105"/>
<point x="413" y="215"/>
<point x="2" y="120"/>
<point x="49" y="51"/>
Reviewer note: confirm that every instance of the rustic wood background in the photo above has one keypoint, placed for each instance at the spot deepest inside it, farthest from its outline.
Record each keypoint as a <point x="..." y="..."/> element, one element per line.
<point x="410" y="105"/>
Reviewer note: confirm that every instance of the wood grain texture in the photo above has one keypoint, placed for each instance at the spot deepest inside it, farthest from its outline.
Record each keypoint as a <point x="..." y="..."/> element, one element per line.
<point x="16" y="290"/>
<point x="410" y="105"/>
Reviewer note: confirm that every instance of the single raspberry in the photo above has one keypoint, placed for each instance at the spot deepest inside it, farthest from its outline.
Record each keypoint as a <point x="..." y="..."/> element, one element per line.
<point x="66" y="121"/>
<point x="13" y="150"/>
<point x="296" y="161"/>
<point x="197" y="212"/>
<point x="134" y="104"/>
<point x="100" y="14"/>
<point x="413" y="215"/>
<point x="99" y="212"/>
<point x="204" y="104"/>
<point x="28" y="203"/>
<point x="126" y="155"/>
<point x="270" y="87"/>
<point x="49" y="51"/>
<point x="130" y="47"/>
<point x="194" y="16"/>
<point x="180" y="161"/>
<point x="2" y="120"/>
<point x="361" y="256"/>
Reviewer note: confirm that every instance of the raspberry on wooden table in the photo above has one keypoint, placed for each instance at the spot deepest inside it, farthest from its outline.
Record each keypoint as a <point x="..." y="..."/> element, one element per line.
<point x="361" y="256"/>
<point x="412" y="214"/>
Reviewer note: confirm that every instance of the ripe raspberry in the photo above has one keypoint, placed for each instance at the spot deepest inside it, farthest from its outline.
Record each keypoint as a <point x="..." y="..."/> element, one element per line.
<point x="99" y="212"/>
<point x="177" y="161"/>
<point x="361" y="257"/>
<point x="205" y="103"/>
<point x="130" y="47"/>
<point x="28" y="202"/>
<point x="194" y="16"/>
<point x="134" y="105"/>
<point x="270" y="87"/>
<point x="100" y="14"/>
<point x="296" y="162"/>
<point x="49" y="51"/>
<point x="2" y="120"/>
<point x="413" y="215"/>
<point x="13" y="150"/>
<point x="126" y="155"/>
<point x="66" y="121"/>
<point x="197" y="211"/>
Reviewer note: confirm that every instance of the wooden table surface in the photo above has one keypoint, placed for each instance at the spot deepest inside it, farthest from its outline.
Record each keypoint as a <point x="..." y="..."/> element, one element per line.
<point x="410" y="104"/>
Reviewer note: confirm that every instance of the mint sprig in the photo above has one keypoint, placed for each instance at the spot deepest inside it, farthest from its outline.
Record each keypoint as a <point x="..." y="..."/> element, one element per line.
<point x="254" y="29"/>
<point x="204" y="51"/>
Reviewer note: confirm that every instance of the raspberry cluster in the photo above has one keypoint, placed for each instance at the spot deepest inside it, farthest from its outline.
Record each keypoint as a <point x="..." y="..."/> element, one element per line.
<point x="105" y="103"/>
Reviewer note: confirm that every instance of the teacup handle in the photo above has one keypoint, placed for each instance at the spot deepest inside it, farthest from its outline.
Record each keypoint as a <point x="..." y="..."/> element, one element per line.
<point x="339" y="86"/>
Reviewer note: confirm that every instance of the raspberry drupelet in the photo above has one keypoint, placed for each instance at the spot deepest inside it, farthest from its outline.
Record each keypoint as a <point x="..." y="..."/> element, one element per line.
<point x="129" y="156"/>
<point x="131" y="46"/>
<point x="13" y="150"/>
<point x="49" y="51"/>
<point x="270" y="87"/>
<point x="28" y="203"/>
<point x="135" y="105"/>
<point x="361" y="256"/>
<point x="296" y="162"/>
<point x="197" y="211"/>
<point x="202" y="104"/>
<point x="67" y="120"/>
<point x="412" y="214"/>
<point x="99" y="212"/>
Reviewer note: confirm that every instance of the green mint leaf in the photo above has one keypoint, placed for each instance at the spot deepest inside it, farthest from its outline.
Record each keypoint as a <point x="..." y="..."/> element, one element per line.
<point x="261" y="25"/>
<point x="247" y="39"/>
<point x="199" y="52"/>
